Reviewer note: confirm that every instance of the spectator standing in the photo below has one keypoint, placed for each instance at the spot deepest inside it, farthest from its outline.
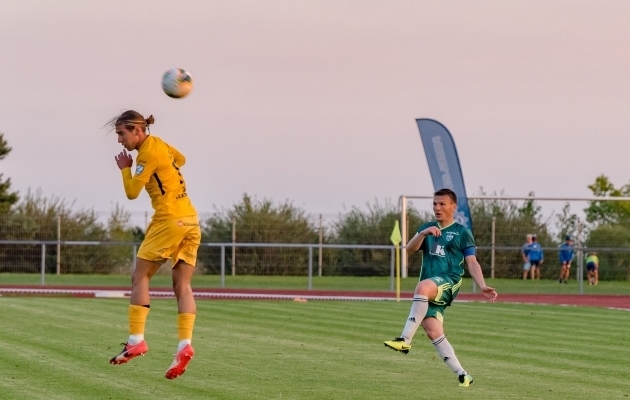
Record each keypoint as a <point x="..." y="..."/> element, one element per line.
<point x="566" y="256"/>
<point x="535" y="257"/>
<point x="524" y="254"/>
<point x="592" y="267"/>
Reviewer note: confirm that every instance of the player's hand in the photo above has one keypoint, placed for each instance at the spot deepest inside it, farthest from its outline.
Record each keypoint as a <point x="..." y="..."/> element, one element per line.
<point x="432" y="230"/>
<point x="489" y="293"/>
<point x="124" y="160"/>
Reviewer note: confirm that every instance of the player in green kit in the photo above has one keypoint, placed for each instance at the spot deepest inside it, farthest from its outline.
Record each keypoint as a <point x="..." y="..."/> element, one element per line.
<point x="446" y="246"/>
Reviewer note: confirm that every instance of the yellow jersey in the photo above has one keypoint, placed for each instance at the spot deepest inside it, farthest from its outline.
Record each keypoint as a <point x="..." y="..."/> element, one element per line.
<point x="158" y="168"/>
<point x="592" y="259"/>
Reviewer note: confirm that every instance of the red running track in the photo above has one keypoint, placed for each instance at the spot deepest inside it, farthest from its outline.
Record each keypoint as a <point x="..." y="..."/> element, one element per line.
<point x="611" y="301"/>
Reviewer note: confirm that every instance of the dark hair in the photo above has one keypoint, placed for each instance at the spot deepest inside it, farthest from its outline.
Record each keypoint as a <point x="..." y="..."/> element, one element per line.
<point x="130" y="119"/>
<point x="447" y="192"/>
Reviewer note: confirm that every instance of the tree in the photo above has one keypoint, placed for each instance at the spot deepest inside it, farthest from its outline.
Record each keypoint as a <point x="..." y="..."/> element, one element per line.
<point x="610" y="228"/>
<point x="36" y="217"/>
<point x="608" y="212"/>
<point x="512" y="222"/>
<point x="374" y="227"/>
<point x="610" y="242"/>
<point x="7" y="198"/>
<point x="567" y="224"/>
<point x="261" y="222"/>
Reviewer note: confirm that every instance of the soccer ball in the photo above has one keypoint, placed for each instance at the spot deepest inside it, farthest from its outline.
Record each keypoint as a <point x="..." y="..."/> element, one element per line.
<point x="177" y="83"/>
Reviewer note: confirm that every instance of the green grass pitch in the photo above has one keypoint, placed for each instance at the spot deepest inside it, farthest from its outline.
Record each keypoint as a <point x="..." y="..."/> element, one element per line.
<point x="58" y="348"/>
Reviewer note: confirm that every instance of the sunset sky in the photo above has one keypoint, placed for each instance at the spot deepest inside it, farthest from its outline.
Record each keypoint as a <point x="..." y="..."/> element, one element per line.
<point x="316" y="101"/>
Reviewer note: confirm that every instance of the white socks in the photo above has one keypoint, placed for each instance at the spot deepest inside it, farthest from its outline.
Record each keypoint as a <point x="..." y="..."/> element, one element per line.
<point x="183" y="343"/>
<point x="442" y="346"/>
<point x="135" y="339"/>
<point x="446" y="352"/>
<point x="416" y="315"/>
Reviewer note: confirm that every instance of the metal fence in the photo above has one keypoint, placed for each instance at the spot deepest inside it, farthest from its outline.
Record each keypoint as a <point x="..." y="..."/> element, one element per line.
<point x="352" y="243"/>
<point x="283" y="259"/>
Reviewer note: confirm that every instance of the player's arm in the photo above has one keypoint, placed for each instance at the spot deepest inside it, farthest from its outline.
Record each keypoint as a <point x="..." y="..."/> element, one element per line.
<point x="179" y="158"/>
<point x="475" y="272"/>
<point x="133" y="187"/>
<point x="414" y="244"/>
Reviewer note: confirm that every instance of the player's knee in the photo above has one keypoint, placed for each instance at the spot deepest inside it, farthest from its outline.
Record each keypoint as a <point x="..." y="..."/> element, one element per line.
<point x="180" y="287"/>
<point x="431" y="332"/>
<point x="433" y="335"/>
<point x="426" y="288"/>
<point x="137" y="278"/>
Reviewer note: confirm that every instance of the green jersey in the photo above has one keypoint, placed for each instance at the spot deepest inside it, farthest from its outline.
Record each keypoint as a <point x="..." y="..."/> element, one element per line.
<point x="444" y="255"/>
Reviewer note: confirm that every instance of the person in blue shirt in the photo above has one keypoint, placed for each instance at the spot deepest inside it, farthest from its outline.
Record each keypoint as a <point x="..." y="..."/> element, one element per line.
<point x="524" y="253"/>
<point x="535" y="257"/>
<point x="566" y="256"/>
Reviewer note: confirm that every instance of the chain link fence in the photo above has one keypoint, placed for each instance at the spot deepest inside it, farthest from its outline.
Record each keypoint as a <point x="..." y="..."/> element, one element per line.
<point x="106" y="242"/>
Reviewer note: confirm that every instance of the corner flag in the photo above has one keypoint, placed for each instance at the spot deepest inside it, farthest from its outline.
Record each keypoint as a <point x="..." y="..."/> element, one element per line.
<point x="396" y="237"/>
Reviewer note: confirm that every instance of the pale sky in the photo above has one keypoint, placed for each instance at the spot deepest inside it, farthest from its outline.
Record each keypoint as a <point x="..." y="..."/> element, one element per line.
<point x="316" y="101"/>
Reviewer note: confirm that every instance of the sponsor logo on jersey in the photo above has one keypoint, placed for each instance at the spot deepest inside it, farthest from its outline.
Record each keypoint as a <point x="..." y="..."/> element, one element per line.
<point x="139" y="169"/>
<point x="190" y="224"/>
<point x="437" y="250"/>
<point x="180" y="223"/>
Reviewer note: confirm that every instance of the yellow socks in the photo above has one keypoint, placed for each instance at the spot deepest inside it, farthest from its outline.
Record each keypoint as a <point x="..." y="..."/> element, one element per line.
<point x="185" y="323"/>
<point x="137" y="321"/>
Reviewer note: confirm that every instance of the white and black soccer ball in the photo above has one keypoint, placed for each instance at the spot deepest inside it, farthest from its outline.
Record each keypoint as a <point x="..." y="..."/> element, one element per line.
<point x="177" y="83"/>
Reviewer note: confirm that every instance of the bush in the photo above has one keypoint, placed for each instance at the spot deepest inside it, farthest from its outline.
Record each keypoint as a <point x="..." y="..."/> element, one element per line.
<point x="260" y="222"/>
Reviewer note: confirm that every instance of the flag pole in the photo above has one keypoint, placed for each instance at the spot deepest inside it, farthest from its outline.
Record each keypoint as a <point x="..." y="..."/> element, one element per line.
<point x="397" y="274"/>
<point x="396" y="238"/>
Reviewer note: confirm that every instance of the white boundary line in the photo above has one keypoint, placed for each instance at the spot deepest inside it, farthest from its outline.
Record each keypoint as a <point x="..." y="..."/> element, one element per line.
<point x="127" y="293"/>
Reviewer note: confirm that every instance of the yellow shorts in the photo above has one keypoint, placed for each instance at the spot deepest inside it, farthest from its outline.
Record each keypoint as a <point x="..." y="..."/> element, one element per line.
<point x="177" y="239"/>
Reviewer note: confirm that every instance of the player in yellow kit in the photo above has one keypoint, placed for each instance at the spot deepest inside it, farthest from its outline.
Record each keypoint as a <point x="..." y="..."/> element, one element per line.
<point x="173" y="234"/>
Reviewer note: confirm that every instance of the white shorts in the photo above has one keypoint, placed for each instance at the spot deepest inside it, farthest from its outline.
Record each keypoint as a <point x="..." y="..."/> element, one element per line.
<point x="527" y="266"/>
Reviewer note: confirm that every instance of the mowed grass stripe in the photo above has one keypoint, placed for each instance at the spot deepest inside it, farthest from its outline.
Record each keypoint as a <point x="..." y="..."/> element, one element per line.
<point x="550" y="345"/>
<point x="70" y="352"/>
<point x="315" y="350"/>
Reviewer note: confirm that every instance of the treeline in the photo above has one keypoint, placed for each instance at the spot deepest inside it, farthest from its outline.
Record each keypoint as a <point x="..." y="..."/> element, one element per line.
<point x="38" y="218"/>
<point x="265" y="222"/>
<point x="35" y="217"/>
